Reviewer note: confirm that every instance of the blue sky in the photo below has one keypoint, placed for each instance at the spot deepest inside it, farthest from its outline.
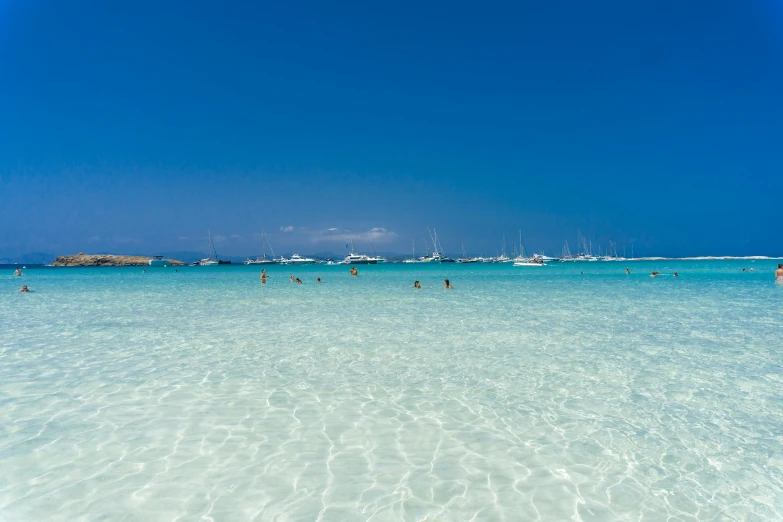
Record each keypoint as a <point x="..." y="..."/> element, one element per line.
<point x="135" y="127"/>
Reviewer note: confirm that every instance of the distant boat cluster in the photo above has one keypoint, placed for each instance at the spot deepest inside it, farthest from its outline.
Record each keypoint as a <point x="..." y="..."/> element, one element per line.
<point x="436" y="256"/>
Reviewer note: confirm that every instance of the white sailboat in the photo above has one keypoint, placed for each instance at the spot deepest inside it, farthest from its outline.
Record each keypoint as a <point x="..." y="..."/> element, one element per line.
<point x="413" y="253"/>
<point x="212" y="260"/>
<point x="263" y="260"/>
<point x="521" y="257"/>
<point x="442" y="257"/>
<point x="465" y="258"/>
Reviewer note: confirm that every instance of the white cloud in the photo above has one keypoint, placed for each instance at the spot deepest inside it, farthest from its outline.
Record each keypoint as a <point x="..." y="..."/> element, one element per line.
<point x="289" y="228"/>
<point x="334" y="235"/>
<point x="236" y="236"/>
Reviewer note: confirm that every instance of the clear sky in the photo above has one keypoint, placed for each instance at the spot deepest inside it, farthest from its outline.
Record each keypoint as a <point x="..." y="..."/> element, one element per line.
<point x="133" y="127"/>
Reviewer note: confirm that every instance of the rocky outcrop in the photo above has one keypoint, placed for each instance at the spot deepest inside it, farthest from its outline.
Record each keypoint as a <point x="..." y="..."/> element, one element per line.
<point x="107" y="260"/>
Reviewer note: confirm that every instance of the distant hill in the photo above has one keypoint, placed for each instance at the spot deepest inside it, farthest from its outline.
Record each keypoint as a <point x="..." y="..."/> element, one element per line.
<point x="33" y="258"/>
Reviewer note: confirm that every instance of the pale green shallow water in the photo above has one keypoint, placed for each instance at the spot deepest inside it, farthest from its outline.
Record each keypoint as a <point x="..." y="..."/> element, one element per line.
<point x="523" y="394"/>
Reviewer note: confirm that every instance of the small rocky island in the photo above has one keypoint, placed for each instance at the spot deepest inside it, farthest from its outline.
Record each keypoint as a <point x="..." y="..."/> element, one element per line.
<point x="107" y="260"/>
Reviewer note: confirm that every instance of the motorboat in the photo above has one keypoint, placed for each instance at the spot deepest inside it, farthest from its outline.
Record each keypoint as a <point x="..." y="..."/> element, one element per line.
<point x="359" y="259"/>
<point x="159" y="262"/>
<point x="296" y="259"/>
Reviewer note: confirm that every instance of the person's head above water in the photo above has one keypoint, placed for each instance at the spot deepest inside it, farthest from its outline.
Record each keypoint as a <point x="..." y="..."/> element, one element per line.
<point x="416" y="284"/>
<point x="24" y="289"/>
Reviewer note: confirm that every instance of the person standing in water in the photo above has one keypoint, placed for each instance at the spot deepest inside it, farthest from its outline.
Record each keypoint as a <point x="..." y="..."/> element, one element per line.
<point x="263" y="276"/>
<point x="627" y="271"/>
<point x="354" y="272"/>
<point x="447" y="285"/>
<point x="416" y="284"/>
<point x="779" y="273"/>
<point x="18" y="272"/>
<point x="318" y="280"/>
<point x="292" y="278"/>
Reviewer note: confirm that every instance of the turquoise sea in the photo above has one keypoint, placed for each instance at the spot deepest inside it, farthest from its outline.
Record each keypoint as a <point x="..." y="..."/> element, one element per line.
<point x="521" y="394"/>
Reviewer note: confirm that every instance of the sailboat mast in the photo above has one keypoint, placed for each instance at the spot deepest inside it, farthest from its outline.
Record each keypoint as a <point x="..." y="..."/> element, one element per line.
<point x="263" y="233"/>
<point x="211" y="246"/>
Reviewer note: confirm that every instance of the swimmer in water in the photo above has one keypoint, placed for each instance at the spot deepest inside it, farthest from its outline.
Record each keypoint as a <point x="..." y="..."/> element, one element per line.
<point x="447" y="285"/>
<point x="318" y="280"/>
<point x="298" y="281"/>
<point x="416" y="284"/>
<point x="292" y="278"/>
<point x="24" y="289"/>
<point x="751" y="270"/>
<point x="655" y="274"/>
<point x="744" y="270"/>
<point x="676" y="274"/>
<point x="627" y="271"/>
<point x="779" y="273"/>
<point x="17" y="272"/>
<point x="354" y="272"/>
<point x="144" y="271"/>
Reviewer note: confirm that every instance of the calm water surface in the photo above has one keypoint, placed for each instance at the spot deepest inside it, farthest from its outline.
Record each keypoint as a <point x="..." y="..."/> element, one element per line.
<point x="522" y="394"/>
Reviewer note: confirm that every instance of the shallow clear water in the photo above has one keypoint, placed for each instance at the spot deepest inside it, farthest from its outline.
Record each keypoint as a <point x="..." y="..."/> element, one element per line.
<point x="522" y="394"/>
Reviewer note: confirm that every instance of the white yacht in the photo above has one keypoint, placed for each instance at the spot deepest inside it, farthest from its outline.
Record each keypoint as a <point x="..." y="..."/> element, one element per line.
<point x="359" y="259"/>
<point x="296" y="259"/>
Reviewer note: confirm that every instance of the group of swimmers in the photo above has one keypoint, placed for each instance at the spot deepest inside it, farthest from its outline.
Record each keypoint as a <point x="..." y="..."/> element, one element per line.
<point x="354" y="272"/>
<point x="446" y="285"/>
